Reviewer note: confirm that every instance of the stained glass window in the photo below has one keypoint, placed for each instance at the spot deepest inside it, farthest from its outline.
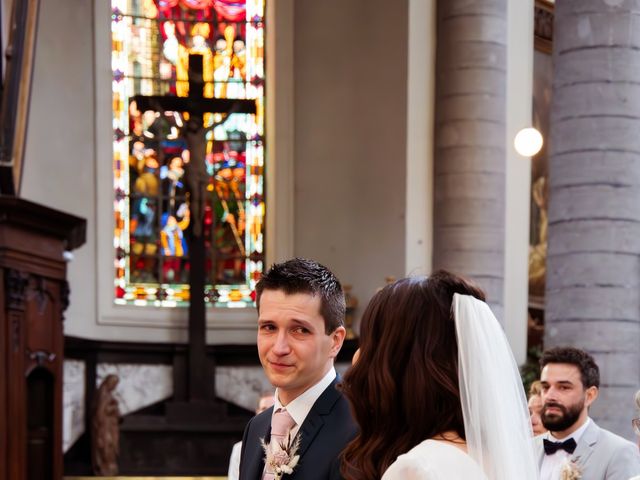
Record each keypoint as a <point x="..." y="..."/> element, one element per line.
<point x="151" y="42"/>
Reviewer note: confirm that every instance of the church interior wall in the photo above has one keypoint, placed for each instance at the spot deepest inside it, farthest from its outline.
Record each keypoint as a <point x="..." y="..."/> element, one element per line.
<point x="350" y="138"/>
<point x="421" y="79"/>
<point x="59" y="167"/>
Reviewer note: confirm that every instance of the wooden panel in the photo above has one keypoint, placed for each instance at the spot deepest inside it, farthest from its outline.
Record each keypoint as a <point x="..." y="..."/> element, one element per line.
<point x="19" y="249"/>
<point x="41" y="410"/>
<point x="41" y="308"/>
<point x="4" y="473"/>
<point x="16" y="415"/>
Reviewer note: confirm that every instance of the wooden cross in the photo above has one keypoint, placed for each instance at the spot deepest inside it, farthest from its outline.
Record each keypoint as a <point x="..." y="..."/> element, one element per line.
<point x="200" y="376"/>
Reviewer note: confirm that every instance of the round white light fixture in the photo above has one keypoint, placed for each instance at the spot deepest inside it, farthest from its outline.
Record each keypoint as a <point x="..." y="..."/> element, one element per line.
<point x="528" y="142"/>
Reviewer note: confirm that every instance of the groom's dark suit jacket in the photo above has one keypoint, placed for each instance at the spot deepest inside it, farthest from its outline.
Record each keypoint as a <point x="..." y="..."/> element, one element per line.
<point x="323" y="435"/>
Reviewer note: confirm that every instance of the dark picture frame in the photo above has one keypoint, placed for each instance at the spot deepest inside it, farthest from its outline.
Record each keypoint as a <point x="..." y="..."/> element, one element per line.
<point x="541" y="108"/>
<point x="16" y="92"/>
<point x="543" y="25"/>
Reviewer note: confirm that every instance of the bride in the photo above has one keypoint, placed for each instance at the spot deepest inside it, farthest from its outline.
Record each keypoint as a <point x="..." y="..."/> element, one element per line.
<point x="435" y="388"/>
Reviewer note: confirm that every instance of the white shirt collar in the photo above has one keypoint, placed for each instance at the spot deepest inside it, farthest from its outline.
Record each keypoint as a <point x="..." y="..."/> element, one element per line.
<point x="300" y="407"/>
<point x="552" y="464"/>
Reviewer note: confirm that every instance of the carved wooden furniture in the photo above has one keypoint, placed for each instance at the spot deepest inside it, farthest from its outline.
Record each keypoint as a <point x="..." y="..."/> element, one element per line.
<point x="33" y="296"/>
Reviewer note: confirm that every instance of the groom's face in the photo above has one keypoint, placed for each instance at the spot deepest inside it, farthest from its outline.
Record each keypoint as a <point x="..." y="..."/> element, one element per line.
<point x="294" y="349"/>
<point x="565" y="400"/>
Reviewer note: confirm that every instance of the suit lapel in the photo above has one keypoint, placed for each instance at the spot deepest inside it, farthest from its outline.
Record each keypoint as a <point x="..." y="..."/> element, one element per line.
<point x="583" y="450"/>
<point x="314" y="421"/>
<point x="256" y="465"/>
<point x="586" y="445"/>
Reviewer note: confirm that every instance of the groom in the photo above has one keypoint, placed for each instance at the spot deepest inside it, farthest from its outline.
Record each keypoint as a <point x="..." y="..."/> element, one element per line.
<point x="301" y="311"/>
<point x="570" y="379"/>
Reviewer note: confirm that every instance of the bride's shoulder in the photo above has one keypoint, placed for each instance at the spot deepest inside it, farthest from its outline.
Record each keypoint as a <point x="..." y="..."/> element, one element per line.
<point x="432" y="460"/>
<point x="409" y="467"/>
<point x="436" y="449"/>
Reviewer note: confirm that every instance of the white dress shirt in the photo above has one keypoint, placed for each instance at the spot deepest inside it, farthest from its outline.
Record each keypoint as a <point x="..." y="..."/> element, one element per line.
<point x="300" y="407"/>
<point x="552" y="464"/>
<point x="234" y="462"/>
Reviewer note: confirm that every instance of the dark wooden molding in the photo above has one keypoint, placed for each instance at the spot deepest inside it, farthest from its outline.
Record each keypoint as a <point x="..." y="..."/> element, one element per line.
<point x="15" y="288"/>
<point x="65" y="291"/>
<point x="147" y="353"/>
<point x="31" y="216"/>
<point x="543" y="25"/>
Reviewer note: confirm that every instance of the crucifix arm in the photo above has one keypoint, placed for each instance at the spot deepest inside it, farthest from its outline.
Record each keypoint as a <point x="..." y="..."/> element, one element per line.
<point x="234" y="109"/>
<point x="194" y="105"/>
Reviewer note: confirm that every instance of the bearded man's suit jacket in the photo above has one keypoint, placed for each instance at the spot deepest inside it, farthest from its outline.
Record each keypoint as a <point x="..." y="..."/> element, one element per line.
<point x="323" y="435"/>
<point x="601" y="455"/>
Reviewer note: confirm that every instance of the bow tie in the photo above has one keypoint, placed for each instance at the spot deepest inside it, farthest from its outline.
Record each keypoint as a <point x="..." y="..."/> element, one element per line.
<point x="552" y="447"/>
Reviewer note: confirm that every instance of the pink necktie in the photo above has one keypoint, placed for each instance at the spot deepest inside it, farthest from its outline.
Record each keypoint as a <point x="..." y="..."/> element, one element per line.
<point x="281" y="425"/>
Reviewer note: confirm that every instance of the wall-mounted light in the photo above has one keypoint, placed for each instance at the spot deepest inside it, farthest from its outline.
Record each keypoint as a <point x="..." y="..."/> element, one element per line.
<point x="528" y="142"/>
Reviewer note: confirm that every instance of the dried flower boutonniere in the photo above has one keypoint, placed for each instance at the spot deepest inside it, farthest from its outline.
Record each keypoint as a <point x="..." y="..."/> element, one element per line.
<point x="570" y="471"/>
<point x="281" y="458"/>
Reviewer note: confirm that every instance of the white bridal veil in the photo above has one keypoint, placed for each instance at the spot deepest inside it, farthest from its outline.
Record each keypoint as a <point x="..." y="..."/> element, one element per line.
<point x="494" y="406"/>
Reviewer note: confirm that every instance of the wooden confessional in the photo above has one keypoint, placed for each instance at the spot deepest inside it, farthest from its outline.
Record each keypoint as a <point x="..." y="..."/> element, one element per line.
<point x="33" y="288"/>
<point x="33" y="297"/>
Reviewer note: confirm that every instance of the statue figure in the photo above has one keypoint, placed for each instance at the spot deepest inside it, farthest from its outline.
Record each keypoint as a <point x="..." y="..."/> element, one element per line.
<point x="170" y="46"/>
<point x="105" y="435"/>
<point x="199" y="45"/>
<point x="173" y="244"/>
<point x="538" y="252"/>
<point x="222" y="60"/>
<point x="196" y="177"/>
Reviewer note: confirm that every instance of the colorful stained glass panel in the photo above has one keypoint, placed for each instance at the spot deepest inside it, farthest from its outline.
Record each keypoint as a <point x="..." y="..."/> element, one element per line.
<point x="151" y="44"/>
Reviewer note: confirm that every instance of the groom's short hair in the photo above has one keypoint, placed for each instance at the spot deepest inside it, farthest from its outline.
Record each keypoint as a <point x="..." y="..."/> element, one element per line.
<point x="589" y="371"/>
<point x="300" y="275"/>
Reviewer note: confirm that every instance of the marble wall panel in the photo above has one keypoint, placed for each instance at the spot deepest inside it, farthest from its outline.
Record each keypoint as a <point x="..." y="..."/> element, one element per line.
<point x="73" y="402"/>
<point x="139" y="386"/>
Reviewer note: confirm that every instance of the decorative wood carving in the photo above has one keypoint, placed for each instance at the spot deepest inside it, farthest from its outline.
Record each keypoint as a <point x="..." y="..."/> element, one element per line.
<point x="15" y="321"/>
<point x="39" y="293"/>
<point x="65" y="291"/>
<point x="15" y="285"/>
<point x="41" y="357"/>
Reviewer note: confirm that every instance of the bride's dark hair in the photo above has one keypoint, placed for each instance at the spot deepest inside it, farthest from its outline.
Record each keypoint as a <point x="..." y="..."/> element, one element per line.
<point x="404" y="387"/>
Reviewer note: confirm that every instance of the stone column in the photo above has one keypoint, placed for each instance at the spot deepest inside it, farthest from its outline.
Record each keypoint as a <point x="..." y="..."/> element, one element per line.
<point x="593" y="271"/>
<point x="470" y="136"/>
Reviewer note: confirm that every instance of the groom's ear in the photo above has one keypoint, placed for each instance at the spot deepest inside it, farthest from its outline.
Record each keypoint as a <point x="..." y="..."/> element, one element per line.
<point x="591" y="394"/>
<point x="337" y="339"/>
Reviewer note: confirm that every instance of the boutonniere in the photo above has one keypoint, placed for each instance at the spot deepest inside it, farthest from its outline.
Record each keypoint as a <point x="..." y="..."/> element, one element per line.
<point x="570" y="470"/>
<point x="281" y="458"/>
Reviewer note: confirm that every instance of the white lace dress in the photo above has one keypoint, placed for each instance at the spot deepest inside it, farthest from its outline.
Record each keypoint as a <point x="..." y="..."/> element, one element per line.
<point x="434" y="460"/>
